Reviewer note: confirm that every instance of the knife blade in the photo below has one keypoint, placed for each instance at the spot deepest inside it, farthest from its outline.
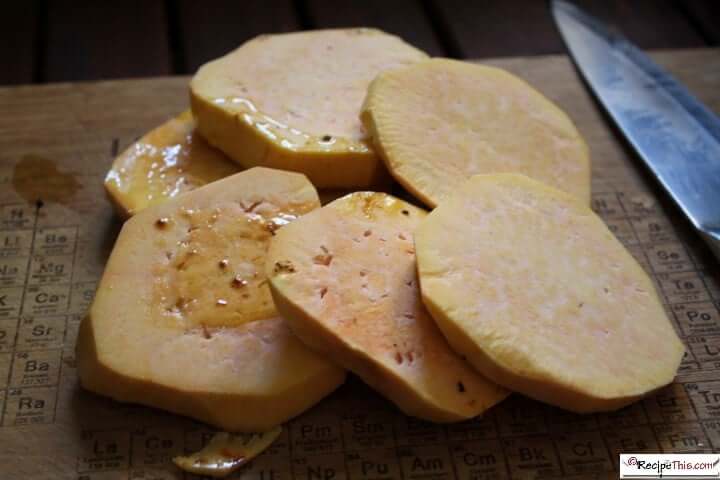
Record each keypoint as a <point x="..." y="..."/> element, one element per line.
<point x="676" y="136"/>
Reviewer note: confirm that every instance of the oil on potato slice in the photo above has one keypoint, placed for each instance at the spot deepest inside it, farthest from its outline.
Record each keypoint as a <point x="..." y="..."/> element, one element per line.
<point x="291" y="101"/>
<point x="438" y="122"/>
<point x="183" y="319"/>
<point x="164" y="163"/>
<point x="344" y="277"/>
<point x="530" y="285"/>
<point x="225" y="453"/>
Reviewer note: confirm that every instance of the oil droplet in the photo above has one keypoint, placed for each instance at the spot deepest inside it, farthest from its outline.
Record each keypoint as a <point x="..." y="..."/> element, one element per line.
<point x="221" y="302"/>
<point x="291" y="138"/>
<point x="35" y="177"/>
<point x="238" y="282"/>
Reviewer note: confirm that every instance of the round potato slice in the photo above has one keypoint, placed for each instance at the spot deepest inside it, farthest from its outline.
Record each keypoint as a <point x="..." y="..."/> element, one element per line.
<point x="292" y="101"/>
<point x="437" y="122"/>
<point x="344" y="278"/>
<point x="528" y="283"/>
<point x="183" y="319"/>
<point x="164" y="163"/>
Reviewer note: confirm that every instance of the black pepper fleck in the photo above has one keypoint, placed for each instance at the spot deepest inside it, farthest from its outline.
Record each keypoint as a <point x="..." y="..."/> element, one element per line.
<point x="284" y="266"/>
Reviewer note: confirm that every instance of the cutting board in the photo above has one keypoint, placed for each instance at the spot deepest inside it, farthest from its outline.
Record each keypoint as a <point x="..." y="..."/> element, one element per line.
<point x="57" y="228"/>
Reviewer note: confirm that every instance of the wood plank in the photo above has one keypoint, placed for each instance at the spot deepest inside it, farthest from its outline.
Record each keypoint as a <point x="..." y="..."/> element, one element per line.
<point x="18" y="23"/>
<point x="405" y="18"/>
<point x="90" y="40"/>
<point x="647" y="23"/>
<point x="526" y="27"/>
<point x="495" y="29"/>
<point x="211" y="29"/>
<point x="704" y="15"/>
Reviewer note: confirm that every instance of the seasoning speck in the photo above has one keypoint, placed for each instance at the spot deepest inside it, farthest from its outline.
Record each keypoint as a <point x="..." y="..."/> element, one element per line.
<point x="284" y="266"/>
<point x="162" y="222"/>
<point x="206" y="332"/>
<point x="223" y="263"/>
<point x="271" y="227"/>
<point x="238" y="282"/>
<point x="461" y="387"/>
<point x="323" y="259"/>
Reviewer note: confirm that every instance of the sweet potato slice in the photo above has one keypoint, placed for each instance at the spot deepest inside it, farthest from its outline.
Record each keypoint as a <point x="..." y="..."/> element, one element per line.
<point x="344" y="278"/>
<point x="164" y="163"/>
<point x="183" y="319"/>
<point x="226" y="452"/>
<point x="292" y="101"/>
<point x="437" y="122"/>
<point x="530" y="285"/>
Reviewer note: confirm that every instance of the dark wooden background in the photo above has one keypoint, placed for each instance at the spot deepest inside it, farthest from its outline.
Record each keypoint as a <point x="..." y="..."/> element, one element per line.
<point x="69" y="40"/>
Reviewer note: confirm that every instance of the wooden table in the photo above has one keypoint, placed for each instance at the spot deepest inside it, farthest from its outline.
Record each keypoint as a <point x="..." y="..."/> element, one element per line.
<point x="57" y="142"/>
<point x="68" y="40"/>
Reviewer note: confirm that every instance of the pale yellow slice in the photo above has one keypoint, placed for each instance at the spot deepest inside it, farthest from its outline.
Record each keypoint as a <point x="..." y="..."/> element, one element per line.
<point x="528" y="283"/>
<point x="292" y="101"/>
<point x="183" y="319"/>
<point x="344" y="278"/>
<point x="164" y="163"/>
<point x="437" y="122"/>
<point x="226" y="452"/>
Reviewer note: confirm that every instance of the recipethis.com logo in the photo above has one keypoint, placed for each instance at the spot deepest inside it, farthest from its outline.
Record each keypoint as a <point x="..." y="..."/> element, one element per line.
<point x="669" y="465"/>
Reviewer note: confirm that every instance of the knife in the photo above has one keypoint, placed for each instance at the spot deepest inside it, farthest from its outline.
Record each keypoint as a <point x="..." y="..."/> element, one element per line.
<point x="676" y="136"/>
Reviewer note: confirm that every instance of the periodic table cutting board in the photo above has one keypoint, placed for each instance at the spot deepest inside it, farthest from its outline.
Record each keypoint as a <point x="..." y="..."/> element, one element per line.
<point x="57" y="228"/>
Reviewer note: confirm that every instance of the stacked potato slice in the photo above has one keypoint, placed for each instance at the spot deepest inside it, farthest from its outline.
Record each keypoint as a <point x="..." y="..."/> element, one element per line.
<point x="291" y="101"/>
<point x="541" y="297"/>
<point x="183" y="319"/>
<point x="440" y="121"/>
<point x="164" y="163"/>
<point x="345" y="279"/>
<point x="240" y="301"/>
